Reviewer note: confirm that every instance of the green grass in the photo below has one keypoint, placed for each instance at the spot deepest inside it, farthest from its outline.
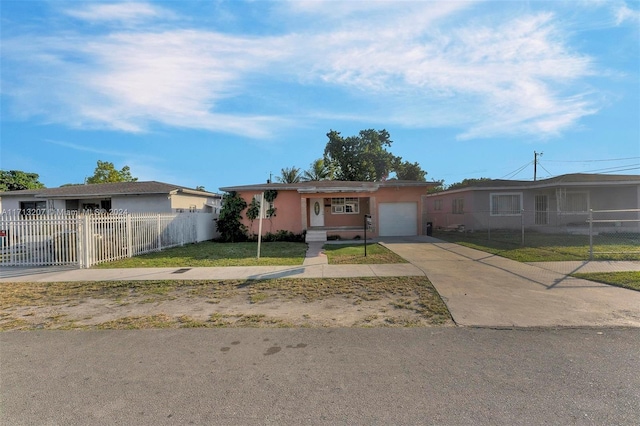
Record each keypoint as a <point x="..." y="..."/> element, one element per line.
<point x="217" y="254"/>
<point x="630" y="280"/>
<point x="548" y="247"/>
<point x="340" y="254"/>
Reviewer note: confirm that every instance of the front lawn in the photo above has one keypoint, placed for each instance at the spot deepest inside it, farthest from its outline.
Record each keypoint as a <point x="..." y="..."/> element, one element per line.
<point x="341" y="254"/>
<point x="540" y="247"/>
<point x="217" y="254"/>
<point x="630" y="280"/>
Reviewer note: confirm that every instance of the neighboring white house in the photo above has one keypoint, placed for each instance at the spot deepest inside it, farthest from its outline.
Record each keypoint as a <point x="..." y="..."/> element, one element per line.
<point x="561" y="203"/>
<point x="120" y="197"/>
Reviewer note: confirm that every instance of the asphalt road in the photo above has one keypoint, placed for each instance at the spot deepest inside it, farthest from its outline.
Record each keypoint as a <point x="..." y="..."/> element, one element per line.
<point x="321" y="376"/>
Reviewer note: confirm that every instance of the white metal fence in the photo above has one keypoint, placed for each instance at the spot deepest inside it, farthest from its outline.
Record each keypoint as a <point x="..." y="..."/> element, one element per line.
<point x="68" y="238"/>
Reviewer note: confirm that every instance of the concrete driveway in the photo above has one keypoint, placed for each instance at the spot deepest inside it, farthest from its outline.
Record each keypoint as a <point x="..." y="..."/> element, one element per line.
<point x="485" y="290"/>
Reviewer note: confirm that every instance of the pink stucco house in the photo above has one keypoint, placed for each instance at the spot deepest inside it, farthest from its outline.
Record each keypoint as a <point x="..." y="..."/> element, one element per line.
<point x="338" y="208"/>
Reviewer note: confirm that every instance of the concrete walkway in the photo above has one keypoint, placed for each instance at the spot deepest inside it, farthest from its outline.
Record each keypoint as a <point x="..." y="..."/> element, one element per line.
<point x="485" y="290"/>
<point x="480" y="289"/>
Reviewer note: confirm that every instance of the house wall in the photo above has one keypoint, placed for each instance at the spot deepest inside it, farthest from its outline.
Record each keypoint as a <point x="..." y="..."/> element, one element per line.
<point x="292" y="209"/>
<point x="477" y="216"/>
<point x="444" y="217"/>
<point x="12" y="203"/>
<point x="351" y="219"/>
<point x="156" y="203"/>
<point x="185" y="202"/>
<point x="287" y="217"/>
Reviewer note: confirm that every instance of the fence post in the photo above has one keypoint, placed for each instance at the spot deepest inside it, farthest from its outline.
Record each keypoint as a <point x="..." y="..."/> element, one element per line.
<point x="129" y="232"/>
<point x="88" y="248"/>
<point x="522" y="224"/>
<point x="159" y="237"/>
<point x="590" y="234"/>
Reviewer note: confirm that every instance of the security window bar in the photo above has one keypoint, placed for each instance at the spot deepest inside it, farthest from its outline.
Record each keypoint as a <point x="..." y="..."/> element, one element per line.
<point x="576" y="202"/>
<point x="506" y="204"/>
<point x="457" y="206"/>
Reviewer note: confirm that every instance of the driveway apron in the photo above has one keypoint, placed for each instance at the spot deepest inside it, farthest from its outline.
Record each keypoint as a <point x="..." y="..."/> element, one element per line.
<point x="486" y="290"/>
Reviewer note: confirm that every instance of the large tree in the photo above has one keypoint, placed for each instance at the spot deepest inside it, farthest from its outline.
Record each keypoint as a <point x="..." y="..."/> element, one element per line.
<point x="15" y="180"/>
<point x="365" y="157"/>
<point x="359" y="158"/>
<point x="106" y="172"/>
<point x="408" y="171"/>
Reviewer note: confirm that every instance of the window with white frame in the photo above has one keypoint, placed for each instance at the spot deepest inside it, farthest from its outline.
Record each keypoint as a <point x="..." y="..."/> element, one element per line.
<point x="437" y="204"/>
<point x="506" y="204"/>
<point x="346" y="205"/>
<point x="457" y="206"/>
<point x="575" y="202"/>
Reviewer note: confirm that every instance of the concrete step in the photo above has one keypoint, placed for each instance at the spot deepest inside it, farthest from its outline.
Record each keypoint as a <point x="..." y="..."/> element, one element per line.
<point x="316" y="236"/>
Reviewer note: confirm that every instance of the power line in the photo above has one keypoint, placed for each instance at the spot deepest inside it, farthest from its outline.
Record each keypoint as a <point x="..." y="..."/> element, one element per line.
<point x="514" y="173"/>
<point x="616" y="169"/>
<point x="592" y="161"/>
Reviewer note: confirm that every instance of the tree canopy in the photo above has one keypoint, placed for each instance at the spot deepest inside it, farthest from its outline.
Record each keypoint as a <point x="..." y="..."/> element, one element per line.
<point x="408" y="171"/>
<point x="463" y="184"/>
<point x="15" y="180"/>
<point x="106" y="172"/>
<point x="365" y="157"/>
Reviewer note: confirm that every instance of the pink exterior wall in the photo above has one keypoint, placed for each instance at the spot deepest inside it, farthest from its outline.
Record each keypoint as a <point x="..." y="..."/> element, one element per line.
<point x="288" y="216"/>
<point x="293" y="209"/>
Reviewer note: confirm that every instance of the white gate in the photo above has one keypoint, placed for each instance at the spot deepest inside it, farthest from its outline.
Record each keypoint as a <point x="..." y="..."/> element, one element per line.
<point x="83" y="240"/>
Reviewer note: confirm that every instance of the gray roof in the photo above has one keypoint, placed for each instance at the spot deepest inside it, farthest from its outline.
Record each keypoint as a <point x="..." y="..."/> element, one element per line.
<point x="108" y="189"/>
<point x="574" y="179"/>
<point x="326" y="186"/>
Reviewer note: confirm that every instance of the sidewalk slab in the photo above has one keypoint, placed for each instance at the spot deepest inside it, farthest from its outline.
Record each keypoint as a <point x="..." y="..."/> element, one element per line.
<point x="211" y="273"/>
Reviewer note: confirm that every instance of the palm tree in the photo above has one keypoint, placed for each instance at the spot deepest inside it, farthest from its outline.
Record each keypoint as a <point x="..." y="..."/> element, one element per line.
<point x="289" y="175"/>
<point x="318" y="171"/>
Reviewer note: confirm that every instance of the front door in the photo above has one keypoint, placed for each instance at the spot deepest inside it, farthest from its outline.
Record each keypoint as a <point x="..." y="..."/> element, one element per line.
<point x="317" y="211"/>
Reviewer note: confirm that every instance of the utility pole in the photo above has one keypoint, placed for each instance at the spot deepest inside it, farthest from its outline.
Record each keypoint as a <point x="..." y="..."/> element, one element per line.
<point x="535" y="164"/>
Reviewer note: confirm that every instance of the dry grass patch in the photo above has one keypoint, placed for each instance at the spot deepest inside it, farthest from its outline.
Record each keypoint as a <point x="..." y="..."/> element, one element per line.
<point x="344" y="302"/>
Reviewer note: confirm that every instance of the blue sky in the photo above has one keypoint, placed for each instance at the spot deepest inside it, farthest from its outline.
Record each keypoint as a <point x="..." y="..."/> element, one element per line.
<point x="221" y="93"/>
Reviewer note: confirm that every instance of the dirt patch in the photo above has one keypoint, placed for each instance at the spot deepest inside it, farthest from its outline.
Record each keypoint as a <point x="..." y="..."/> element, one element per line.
<point x="362" y="302"/>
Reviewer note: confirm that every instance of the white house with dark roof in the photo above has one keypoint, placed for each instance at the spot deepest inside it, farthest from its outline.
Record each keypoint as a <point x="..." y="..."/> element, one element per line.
<point x="121" y="197"/>
<point x="561" y="203"/>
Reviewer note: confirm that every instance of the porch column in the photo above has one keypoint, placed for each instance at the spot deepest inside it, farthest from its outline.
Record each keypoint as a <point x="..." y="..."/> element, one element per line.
<point x="303" y="212"/>
<point x="373" y="211"/>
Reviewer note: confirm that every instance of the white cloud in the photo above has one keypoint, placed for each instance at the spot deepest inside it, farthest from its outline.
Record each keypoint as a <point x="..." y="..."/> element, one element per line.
<point x="127" y="81"/>
<point x="504" y="79"/>
<point x="624" y="13"/>
<point x="119" y="12"/>
<point x="412" y="62"/>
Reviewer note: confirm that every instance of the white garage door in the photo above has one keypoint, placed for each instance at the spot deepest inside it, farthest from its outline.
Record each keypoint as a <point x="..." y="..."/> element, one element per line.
<point x="398" y="219"/>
